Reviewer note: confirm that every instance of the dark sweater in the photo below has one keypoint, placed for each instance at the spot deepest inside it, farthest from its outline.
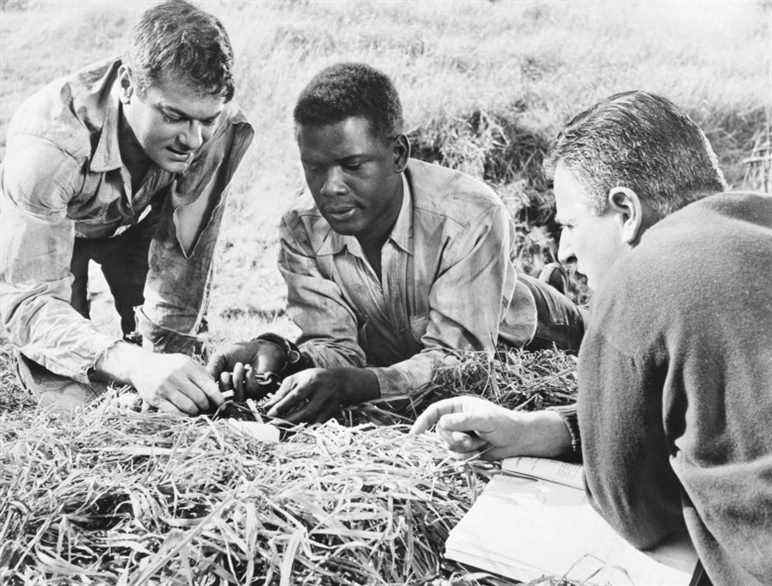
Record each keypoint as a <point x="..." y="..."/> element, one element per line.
<point x="675" y="379"/>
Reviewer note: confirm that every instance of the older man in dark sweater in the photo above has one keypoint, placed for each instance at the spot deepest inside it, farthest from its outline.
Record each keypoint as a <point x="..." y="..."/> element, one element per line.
<point x="675" y="370"/>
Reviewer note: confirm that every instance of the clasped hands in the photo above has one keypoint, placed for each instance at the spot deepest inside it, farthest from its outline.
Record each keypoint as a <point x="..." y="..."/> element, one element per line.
<point x="270" y="364"/>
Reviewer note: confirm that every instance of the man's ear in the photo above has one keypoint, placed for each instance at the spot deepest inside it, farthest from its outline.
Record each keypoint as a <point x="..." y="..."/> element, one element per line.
<point x="401" y="152"/>
<point x="126" y="83"/>
<point x="628" y="205"/>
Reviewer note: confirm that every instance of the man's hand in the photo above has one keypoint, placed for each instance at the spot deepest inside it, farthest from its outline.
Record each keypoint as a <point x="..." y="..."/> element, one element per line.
<point x="316" y="394"/>
<point x="240" y="365"/>
<point x="171" y="382"/>
<point x="176" y="383"/>
<point x="468" y="424"/>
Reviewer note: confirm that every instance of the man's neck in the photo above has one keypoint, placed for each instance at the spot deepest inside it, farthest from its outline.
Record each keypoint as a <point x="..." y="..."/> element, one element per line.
<point x="132" y="154"/>
<point x="372" y="243"/>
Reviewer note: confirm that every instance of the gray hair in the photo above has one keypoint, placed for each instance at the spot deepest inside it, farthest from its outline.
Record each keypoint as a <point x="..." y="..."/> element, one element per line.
<point x="643" y="142"/>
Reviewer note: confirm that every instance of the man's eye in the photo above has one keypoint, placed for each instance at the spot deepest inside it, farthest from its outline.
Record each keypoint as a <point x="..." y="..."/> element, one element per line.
<point x="209" y="123"/>
<point x="170" y="119"/>
<point x="352" y="166"/>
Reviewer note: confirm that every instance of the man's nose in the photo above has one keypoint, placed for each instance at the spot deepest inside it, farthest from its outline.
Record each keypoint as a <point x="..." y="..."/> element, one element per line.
<point x="334" y="182"/>
<point x="194" y="135"/>
<point x="565" y="251"/>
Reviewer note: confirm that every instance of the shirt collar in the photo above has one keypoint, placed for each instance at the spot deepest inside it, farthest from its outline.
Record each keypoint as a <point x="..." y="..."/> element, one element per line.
<point x="107" y="155"/>
<point x="402" y="233"/>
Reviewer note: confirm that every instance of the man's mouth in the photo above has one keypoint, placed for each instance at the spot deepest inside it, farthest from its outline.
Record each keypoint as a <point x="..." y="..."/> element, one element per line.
<point x="180" y="155"/>
<point x="340" y="213"/>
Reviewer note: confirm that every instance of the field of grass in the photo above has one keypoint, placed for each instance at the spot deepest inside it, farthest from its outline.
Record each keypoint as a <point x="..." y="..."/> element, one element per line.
<point x="485" y="86"/>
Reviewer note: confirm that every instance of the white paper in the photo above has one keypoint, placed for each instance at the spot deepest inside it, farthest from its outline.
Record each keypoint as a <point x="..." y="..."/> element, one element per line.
<point x="524" y="529"/>
<point x="545" y="469"/>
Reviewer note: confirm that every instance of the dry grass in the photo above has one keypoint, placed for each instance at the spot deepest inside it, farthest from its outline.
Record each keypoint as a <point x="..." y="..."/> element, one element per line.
<point x="12" y="397"/>
<point x="115" y="496"/>
<point x="516" y="379"/>
<point x="119" y="497"/>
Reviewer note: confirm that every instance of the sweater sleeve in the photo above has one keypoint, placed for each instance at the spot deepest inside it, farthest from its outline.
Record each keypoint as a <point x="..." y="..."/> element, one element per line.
<point x="627" y="473"/>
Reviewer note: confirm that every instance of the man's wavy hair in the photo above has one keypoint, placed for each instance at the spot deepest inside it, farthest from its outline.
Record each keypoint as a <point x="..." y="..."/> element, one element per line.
<point x="176" y="40"/>
<point x="643" y="142"/>
<point x="351" y="89"/>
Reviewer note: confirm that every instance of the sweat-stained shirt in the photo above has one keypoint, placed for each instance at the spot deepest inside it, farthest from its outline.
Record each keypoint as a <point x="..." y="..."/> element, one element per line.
<point x="448" y="282"/>
<point x="63" y="178"/>
<point x="675" y="387"/>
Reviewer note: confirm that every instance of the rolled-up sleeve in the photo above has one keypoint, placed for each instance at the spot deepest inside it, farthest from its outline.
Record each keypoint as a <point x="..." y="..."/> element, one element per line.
<point x="315" y="303"/>
<point x="36" y="242"/>
<point x="474" y="286"/>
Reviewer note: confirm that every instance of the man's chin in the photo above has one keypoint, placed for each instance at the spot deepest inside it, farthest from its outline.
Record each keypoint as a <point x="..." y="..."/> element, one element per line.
<point x="345" y="228"/>
<point x="349" y="226"/>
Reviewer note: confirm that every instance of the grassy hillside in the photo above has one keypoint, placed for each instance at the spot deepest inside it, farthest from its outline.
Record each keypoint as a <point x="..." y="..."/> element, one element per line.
<point x="485" y="86"/>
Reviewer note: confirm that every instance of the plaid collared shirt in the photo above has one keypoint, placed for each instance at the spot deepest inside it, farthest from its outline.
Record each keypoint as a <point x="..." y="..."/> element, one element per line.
<point x="63" y="178"/>
<point x="448" y="282"/>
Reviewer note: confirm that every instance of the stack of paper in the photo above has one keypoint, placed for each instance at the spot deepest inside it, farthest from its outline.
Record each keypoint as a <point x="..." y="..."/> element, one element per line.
<point x="535" y="520"/>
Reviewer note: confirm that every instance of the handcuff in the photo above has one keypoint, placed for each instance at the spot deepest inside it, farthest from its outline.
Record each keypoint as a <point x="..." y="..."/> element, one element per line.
<point x="294" y="360"/>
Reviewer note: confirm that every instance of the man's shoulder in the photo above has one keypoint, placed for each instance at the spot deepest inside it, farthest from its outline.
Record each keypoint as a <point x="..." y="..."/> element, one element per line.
<point x="304" y="222"/>
<point x="713" y="257"/>
<point x="449" y="193"/>
<point x="64" y="112"/>
<point x="302" y="208"/>
<point x="718" y="226"/>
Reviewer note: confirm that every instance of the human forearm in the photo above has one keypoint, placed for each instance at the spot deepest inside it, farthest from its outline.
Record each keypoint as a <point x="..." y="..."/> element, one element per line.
<point x="545" y="435"/>
<point x="326" y="353"/>
<point x="50" y="332"/>
<point x="120" y="362"/>
<point x="567" y="414"/>
<point x="171" y="382"/>
<point x="411" y="375"/>
<point x="316" y="394"/>
<point x="360" y="385"/>
<point x="470" y="424"/>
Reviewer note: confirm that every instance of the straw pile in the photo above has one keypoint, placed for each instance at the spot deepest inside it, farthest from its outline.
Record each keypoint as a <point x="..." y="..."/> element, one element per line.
<point x="115" y="496"/>
<point x="119" y="497"/>
<point x="516" y="379"/>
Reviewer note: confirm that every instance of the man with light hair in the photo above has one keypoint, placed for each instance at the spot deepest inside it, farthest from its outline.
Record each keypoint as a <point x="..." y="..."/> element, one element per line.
<point x="674" y="403"/>
<point x="125" y="163"/>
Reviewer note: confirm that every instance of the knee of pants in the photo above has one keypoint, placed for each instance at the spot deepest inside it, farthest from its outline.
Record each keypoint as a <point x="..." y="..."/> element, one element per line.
<point x="559" y="321"/>
<point x="54" y="392"/>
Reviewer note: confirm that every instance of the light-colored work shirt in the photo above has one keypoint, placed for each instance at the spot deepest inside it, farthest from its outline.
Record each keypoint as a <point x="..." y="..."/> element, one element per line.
<point x="448" y="282"/>
<point x="63" y="178"/>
